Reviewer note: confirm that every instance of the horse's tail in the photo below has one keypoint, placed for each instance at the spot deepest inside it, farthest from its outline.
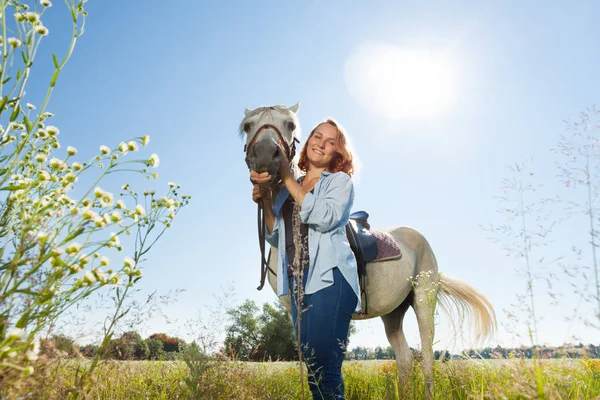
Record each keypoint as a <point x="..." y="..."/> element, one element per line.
<point x="469" y="303"/>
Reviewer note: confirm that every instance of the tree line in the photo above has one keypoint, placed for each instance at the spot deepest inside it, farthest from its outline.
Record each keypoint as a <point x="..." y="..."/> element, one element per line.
<point x="266" y="334"/>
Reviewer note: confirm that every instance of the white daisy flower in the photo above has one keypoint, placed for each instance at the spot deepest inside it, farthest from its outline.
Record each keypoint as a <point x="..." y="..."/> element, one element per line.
<point x="154" y="161"/>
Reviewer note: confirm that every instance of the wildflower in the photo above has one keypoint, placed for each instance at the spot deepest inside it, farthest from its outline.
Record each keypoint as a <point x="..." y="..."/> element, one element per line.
<point x="98" y="192"/>
<point x="155" y="175"/>
<point x="30" y="106"/>
<point x="73" y="248"/>
<point x="28" y="371"/>
<point x="16" y="334"/>
<point x="115" y="279"/>
<point x="86" y="202"/>
<point x="114" y="239"/>
<point x="52" y="130"/>
<point x="14" y="42"/>
<point x="104" y="150"/>
<point x="32" y="17"/>
<point x="40" y="157"/>
<point x="30" y="356"/>
<point x="172" y="215"/>
<point x="75" y="268"/>
<point x="71" y="150"/>
<point x="55" y="163"/>
<point x="114" y="156"/>
<point x="41" y="29"/>
<point x="77" y="166"/>
<point x="123" y="148"/>
<point x="46" y="3"/>
<point x="139" y="210"/>
<point x="129" y="262"/>
<point x="43" y="237"/>
<point x="20" y="17"/>
<point x="107" y="199"/>
<point x="83" y="260"/>
<point x="132" y="146"/>
<point x="154" y="161"/>
<point x="121" y="205"/>
<point x="99" y="222"/>
<point x="57" y="251"/>
<point x="104" y="261"/>
<point x="125" y="186"/>
<point x="90" y="215"/>
<point x="145" y="140"/>
<point x="98" y="273"/>
<point x="44" y="176"/>
<point x="89" y="277"/>
<point x="173" y="184"/>
<point x="116" y="217"/>
<point x="70" y="178"/>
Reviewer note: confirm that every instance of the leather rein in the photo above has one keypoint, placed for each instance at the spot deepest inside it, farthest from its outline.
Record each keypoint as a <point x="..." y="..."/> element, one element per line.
<point x="290" y="152"/>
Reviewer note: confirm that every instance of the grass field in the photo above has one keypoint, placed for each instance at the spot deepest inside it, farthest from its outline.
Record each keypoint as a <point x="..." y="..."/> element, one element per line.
<point x="457" y="379"/>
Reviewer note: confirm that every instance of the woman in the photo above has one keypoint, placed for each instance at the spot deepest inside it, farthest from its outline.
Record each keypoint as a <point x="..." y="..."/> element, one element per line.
<point x="325" y="279"/>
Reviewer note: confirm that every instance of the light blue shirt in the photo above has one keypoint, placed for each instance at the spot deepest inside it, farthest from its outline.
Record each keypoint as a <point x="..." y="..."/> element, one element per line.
<point x="326" y="212"/>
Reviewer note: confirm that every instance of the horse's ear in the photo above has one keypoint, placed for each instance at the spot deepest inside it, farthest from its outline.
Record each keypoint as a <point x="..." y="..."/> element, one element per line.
<point x="295" y="108"/>
<point x="247" y="112"/>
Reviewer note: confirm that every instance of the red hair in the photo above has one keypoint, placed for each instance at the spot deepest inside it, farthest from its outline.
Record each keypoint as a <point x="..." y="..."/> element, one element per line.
<point x="342" y="160"/>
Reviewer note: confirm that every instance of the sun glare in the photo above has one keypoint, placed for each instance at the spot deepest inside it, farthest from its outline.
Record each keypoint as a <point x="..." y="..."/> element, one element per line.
<point x="399" y="83"/>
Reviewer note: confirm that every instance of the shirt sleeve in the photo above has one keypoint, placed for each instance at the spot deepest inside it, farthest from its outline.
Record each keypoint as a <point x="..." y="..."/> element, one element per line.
<point x="273" y="237"/>
<point x="326" y="212"/>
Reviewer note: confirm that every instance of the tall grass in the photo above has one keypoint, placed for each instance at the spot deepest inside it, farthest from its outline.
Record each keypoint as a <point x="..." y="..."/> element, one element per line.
<point x="455" y="379"/>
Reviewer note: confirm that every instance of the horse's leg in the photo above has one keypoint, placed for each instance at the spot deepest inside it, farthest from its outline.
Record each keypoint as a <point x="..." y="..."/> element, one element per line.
<point x="425" y="301"/>
<point x="395" y="334"/>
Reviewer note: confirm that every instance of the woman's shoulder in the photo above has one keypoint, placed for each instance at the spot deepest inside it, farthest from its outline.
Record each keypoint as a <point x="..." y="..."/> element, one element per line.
<point x="340" y="177"/>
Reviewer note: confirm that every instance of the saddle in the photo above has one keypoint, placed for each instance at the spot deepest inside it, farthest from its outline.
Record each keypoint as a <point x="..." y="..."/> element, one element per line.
<point x="368" y="246"/>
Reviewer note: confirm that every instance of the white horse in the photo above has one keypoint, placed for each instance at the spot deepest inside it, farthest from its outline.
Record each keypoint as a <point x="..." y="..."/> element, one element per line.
<point x="391" y="286"/>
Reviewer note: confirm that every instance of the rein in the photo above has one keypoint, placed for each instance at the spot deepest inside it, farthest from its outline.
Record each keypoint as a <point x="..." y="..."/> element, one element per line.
<point x="262" y="227"/>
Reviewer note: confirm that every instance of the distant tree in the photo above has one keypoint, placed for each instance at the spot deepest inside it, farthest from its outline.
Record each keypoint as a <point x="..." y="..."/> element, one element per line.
<point x="251" y="336"/>
<point x="441" y="355"/>
<point x="277" y="340"/>
<point x="170" y="344"/>
<point x="89" y="350"/>
<point x="156" y="350"/>
<point x="243" y="335"/>
<point x="64" y="343"/>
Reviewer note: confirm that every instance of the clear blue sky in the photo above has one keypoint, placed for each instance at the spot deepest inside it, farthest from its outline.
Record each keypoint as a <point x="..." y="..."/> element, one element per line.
<point x="184" y="72"/>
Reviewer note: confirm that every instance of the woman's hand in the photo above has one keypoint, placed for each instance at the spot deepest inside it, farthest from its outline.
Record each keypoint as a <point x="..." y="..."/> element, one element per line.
<point x="260" y="178"/>
<point x="261" y="192"/>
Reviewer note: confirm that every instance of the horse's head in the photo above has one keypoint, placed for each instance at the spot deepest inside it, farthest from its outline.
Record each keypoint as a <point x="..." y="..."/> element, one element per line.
<point x="264" y="127"/>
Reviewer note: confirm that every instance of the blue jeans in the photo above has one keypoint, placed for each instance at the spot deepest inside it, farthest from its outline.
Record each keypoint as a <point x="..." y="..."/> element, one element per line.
<point x="324" y="324"/>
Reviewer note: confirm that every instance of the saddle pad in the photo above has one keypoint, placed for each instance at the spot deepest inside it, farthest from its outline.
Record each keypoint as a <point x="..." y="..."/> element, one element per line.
<point x="387" y="248"/>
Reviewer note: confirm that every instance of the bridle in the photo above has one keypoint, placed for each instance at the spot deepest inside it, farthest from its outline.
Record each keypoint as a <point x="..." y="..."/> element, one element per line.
<point x="290" y="152"/>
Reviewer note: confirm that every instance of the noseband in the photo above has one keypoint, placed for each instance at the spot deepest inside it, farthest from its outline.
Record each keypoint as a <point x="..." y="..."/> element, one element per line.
<point x="290" y="152"/>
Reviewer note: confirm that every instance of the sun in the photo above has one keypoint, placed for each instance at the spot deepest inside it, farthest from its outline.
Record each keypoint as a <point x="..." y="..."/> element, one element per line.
<point x="400" y="83"/>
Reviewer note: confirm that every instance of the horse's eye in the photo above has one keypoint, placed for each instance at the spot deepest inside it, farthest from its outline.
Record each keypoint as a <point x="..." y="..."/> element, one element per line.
<point x="291" y="126"/>
<point x="246" y="127"/>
